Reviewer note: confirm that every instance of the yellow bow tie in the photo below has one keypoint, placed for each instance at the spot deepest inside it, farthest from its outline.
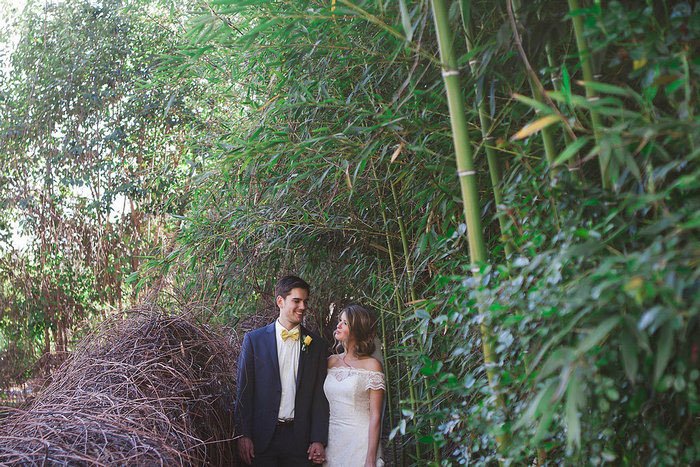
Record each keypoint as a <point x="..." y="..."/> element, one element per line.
<point x="293" y="334"/>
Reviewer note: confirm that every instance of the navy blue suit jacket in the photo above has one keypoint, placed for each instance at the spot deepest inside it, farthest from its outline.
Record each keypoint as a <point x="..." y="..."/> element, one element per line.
<point x="259" y="389"/>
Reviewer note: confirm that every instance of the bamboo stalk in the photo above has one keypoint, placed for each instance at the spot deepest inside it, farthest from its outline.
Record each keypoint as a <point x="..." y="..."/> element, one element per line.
<point x="409" y="273"/>
<point x="404" y="243"/>
<point x="387" y="375"/>
<point x="547" y="135"/>
<point x="463" y="151"/>
<point x="574" y="165"/>
<point x="587" y="69"/>
<point x="492" y="156"/>
<point x="687" y="95"/>
<point x="556" y="80"/>
<point x="466" y="174"/>
<point x="399" y="308"/>
<point x="573" y="170"/>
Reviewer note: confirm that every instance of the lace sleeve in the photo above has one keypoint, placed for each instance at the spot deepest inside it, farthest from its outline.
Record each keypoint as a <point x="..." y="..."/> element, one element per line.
<point x="375" y="380"/>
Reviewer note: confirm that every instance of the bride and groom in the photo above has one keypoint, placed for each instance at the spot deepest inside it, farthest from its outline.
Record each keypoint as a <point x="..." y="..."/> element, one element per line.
<point x="295" y="406"/>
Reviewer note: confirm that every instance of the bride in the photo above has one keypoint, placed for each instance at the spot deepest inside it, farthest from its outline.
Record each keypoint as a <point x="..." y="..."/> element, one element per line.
<point x="354" y="388"/>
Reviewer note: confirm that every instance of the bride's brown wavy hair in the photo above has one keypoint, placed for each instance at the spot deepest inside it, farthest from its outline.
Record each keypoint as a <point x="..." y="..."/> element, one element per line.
<point x="363" y="327"/>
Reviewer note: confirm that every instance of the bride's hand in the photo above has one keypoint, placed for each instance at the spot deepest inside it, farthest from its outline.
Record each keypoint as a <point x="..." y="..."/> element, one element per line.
<point x="369" y="463"/>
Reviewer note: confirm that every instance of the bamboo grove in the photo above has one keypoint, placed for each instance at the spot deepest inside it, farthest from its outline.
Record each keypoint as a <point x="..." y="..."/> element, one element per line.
<point x="512" y="186"/>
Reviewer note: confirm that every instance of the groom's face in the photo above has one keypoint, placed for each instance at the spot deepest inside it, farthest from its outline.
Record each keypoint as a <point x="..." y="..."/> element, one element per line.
<point x="293" y="307"/>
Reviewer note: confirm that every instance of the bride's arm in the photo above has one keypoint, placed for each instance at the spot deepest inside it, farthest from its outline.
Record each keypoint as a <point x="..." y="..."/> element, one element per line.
<point x="376" y="398"/>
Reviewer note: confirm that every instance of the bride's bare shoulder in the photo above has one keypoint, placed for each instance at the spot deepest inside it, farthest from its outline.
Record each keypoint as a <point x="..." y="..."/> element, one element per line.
<point x="334" y="361"/>
<point x="371" y="364"/>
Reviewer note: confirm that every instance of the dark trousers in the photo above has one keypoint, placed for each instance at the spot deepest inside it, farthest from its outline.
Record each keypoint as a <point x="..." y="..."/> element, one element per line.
<point x="283" y="450"/>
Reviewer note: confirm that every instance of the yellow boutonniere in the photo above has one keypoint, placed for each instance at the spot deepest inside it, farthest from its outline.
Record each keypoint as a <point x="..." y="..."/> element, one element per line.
<point x="307" y="343"/>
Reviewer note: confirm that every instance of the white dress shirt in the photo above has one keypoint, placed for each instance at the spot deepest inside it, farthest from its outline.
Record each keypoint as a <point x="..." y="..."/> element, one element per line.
<point x="288" y="358"/>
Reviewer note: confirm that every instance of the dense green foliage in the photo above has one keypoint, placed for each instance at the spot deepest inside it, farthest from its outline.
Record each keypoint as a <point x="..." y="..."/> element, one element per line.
<point x="327" y="151"/>
<point x="91" y="153"/>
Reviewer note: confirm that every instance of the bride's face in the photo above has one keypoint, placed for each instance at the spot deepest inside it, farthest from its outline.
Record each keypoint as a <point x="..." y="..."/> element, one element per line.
<point x="342" y="330"/>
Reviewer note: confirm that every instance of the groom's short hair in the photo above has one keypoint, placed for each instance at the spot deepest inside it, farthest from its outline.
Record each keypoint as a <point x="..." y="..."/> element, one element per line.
<point x="287" y="283"/>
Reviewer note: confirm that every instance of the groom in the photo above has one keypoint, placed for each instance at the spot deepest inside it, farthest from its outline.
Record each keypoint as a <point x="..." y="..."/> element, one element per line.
<point x="281" y="410"/>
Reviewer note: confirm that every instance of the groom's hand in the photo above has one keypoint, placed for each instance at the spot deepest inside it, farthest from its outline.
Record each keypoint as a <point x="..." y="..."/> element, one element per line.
<point x="316" y="453"/>
<point x="245" y="450"/>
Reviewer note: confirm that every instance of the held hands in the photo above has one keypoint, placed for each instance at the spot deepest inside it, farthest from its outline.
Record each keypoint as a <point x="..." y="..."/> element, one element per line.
<point x="316" y="453"/>
<point x="245" y="450"/>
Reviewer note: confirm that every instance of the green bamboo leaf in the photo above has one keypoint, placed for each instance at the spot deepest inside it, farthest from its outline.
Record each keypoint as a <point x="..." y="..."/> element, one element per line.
<point x="406" y="20"/>
<point x="566" y="84"/>
<point x="663" y="351"/>
<point x="571" y="150"/>
<point x="571" y="99"/>
<point x="466" y="11"/>
<point x="688" y="182"/>
<point x="543" y="399"/>
<point x="605" y="88"/>
<point x="618" y="112"/>
<point x="596" y="335"/>
<point x="574" y="400"/>
<point x="555" y="339"/>
<point x="261" y="27"/>
<point x="229" y="2"/>
<point x="543" y="426"/>
<point x="628" y="349"/>
<point x="692" y="223"/>
<point x="631" y="165"/>
<point x="535" y="104"/>
<point x="559" y="358"/>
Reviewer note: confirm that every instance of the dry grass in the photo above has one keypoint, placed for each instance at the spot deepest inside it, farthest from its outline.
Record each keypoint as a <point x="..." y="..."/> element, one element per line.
<point x="149" y="388"/>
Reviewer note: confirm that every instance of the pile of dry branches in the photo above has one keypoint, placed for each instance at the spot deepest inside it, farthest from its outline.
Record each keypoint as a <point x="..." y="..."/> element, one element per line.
<point x="145" y="389"/>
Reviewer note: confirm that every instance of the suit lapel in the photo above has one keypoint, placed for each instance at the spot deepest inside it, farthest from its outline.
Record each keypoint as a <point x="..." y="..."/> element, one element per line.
<point x="271" y="346"/>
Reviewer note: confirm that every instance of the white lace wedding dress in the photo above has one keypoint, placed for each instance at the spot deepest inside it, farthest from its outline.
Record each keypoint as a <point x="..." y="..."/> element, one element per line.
<point x="347" y="391"/>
